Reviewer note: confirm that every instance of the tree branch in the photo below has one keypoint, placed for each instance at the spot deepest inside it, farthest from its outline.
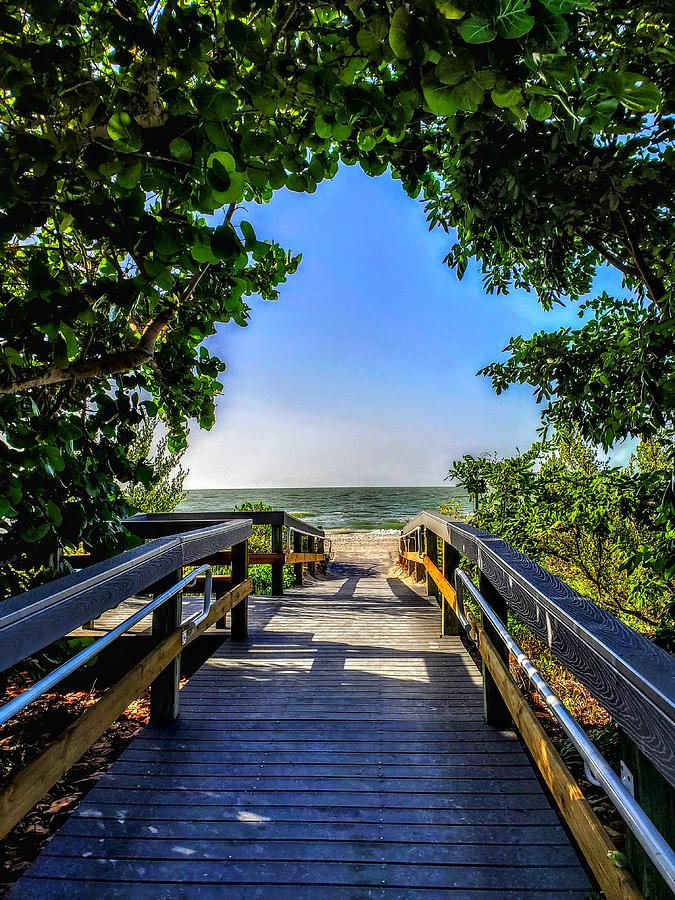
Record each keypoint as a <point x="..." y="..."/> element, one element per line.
<point x="113" y="363"/>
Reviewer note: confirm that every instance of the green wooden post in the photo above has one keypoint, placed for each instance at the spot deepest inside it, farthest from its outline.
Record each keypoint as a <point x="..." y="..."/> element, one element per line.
<point x="277" y="568"/>
<point x="320" y="548"/>
<point x="431" y="550"/>
<point x="239" y="613"/>
<point x="297" y="567"/>
<point x="164" y="690"/>
<point x="657" y="798"/>
<point x="495" y="709"/>
<point x="311" y="548"/>
<point x="450" y="564"/>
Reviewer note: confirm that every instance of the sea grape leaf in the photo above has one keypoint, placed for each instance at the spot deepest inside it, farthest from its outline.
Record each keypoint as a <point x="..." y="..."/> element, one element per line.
<point x="478" y="30"/>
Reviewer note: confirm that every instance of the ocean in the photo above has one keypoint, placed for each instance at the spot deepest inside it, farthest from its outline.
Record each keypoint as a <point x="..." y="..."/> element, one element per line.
<point x="336" y="508"/>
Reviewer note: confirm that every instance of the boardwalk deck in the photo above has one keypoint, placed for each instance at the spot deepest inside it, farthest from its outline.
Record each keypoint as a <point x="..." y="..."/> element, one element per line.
<point x="339" y="752"/>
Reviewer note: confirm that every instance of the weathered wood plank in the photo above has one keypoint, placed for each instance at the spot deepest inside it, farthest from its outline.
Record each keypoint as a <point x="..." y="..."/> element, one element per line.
<point x="316" y="872"/>
<point x="616" y="883"/>
<point x="33" y="620"/>
<point x="342" y="746"/>
<point x="627" y="673"/>
<point x="18" y="797"/>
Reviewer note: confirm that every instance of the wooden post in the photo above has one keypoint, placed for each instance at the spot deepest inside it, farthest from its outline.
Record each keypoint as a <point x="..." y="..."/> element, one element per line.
<point x="239" y="613"/>
<point x="420" y="571"/>
<point x="311" y="548"/>
<point x="450" y="622"/>
<point x="431" y="549"/>
<point x="277" y="568"/>
<point x="297" y="567"/>
<point x="657" y="798"/>
<point x="495" y="710"/>
<point x="164" y="690"/>
<point x="320" y="548"/>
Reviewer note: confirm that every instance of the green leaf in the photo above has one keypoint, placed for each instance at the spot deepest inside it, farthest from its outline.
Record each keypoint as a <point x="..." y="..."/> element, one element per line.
<point x="365" y="141"/>
<point x="129" y="176"/>
<point x="540" y="109"/>
<point x="7" y="511"/>
<point x="54" y="513"/>
<point x="218" y="134"/>
<point x="124" y="132"/>
<point x="478" y="30"/>
<point x="221" y="161"/>
<point x="513" y="20"/>
<point x="35" y="533"/>
<point x="248" y="232"/>
<point x="486" y="78"/>
<point x="468" y="95"/>
<point x="440" y="99"/>
<point x="180" y="149"/>
<point x="555" y="26"/>
<point x="224" y="242"/>
<point x="214" y="104"/>
<point x="449" y="9"/>
<point x="639" y="94"/>
<point x="453" y="69"/>
<point x="507" y="96"/>
<point x="323" y="128"/>
<point x="398" y="34"/>
<point x="71" y="341"/>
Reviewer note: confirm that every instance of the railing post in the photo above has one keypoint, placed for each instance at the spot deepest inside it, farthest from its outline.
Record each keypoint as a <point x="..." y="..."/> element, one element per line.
<point x="297" y="567"/>
<point x="277" y="568"/>
<point x="320" y="548"/>
<point x="450" y="622"/>
<point x="239" y="613"/>
<point x="657" y="798"/>
<point x="421" y="542"/>
<point x="311" y="548"/>
<point x="164" y="690"/>
<point x="431" y="549"/>
<point x="495" y="710"/>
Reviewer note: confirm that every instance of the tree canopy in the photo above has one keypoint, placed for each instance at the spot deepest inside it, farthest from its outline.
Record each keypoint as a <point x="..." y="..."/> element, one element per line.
<point x="130" y="133"/>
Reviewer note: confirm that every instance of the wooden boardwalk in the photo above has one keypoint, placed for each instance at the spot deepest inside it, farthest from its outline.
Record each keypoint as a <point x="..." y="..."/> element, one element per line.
<point x="339" y="752"/>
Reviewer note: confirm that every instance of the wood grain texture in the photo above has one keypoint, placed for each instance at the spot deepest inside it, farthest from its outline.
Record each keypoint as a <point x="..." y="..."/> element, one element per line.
<point x="33" y="782"/>
<point x="160" y="524"/>
<point x="628" y="674"/>
<point x="35" y="619"/>
<point x="592" y="838"/>
<point x="339" y="752"/>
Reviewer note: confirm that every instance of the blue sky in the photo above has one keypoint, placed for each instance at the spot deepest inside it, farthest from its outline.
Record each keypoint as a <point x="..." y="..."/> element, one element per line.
<point x="363" y="373"/>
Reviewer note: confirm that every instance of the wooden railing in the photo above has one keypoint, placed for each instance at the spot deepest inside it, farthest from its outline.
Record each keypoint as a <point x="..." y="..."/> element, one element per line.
<point x="32" y="621"/>
<point x="633" y="679"/>
<point x="293" y="542"/>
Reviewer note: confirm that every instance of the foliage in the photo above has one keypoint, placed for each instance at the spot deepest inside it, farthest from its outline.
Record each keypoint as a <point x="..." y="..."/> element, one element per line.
<point x="125" y="127"/>
<point x="590" y="524"/>
<point x="166" y="490"/>
<point x="261" y="542"/>
<point x="590" y="181"/>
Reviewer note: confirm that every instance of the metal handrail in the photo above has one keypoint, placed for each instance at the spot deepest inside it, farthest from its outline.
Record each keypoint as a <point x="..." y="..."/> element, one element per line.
<point x="10" y="709"/>
<point x="651" y="840"/>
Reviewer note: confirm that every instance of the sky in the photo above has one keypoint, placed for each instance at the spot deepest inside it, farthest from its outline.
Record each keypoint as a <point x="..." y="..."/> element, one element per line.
<point x="363" y="372"/>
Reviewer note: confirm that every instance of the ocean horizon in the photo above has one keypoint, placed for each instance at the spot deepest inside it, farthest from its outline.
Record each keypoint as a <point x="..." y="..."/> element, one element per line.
<point x="333" y="508"/>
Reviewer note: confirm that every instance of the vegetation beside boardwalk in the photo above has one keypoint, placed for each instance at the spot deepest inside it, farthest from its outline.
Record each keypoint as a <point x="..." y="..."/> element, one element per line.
<point x="538" y="133"/>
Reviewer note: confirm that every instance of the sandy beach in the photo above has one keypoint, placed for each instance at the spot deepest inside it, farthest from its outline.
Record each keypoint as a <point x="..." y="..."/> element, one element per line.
<point x="375" y="550"/>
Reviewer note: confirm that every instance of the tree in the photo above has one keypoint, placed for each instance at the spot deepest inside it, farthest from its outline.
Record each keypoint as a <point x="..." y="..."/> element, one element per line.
<point x="167" y="474"/>
<point x="591" y="183"/>
<point x="124" y="127"/>
<point x="593" y="525"/>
